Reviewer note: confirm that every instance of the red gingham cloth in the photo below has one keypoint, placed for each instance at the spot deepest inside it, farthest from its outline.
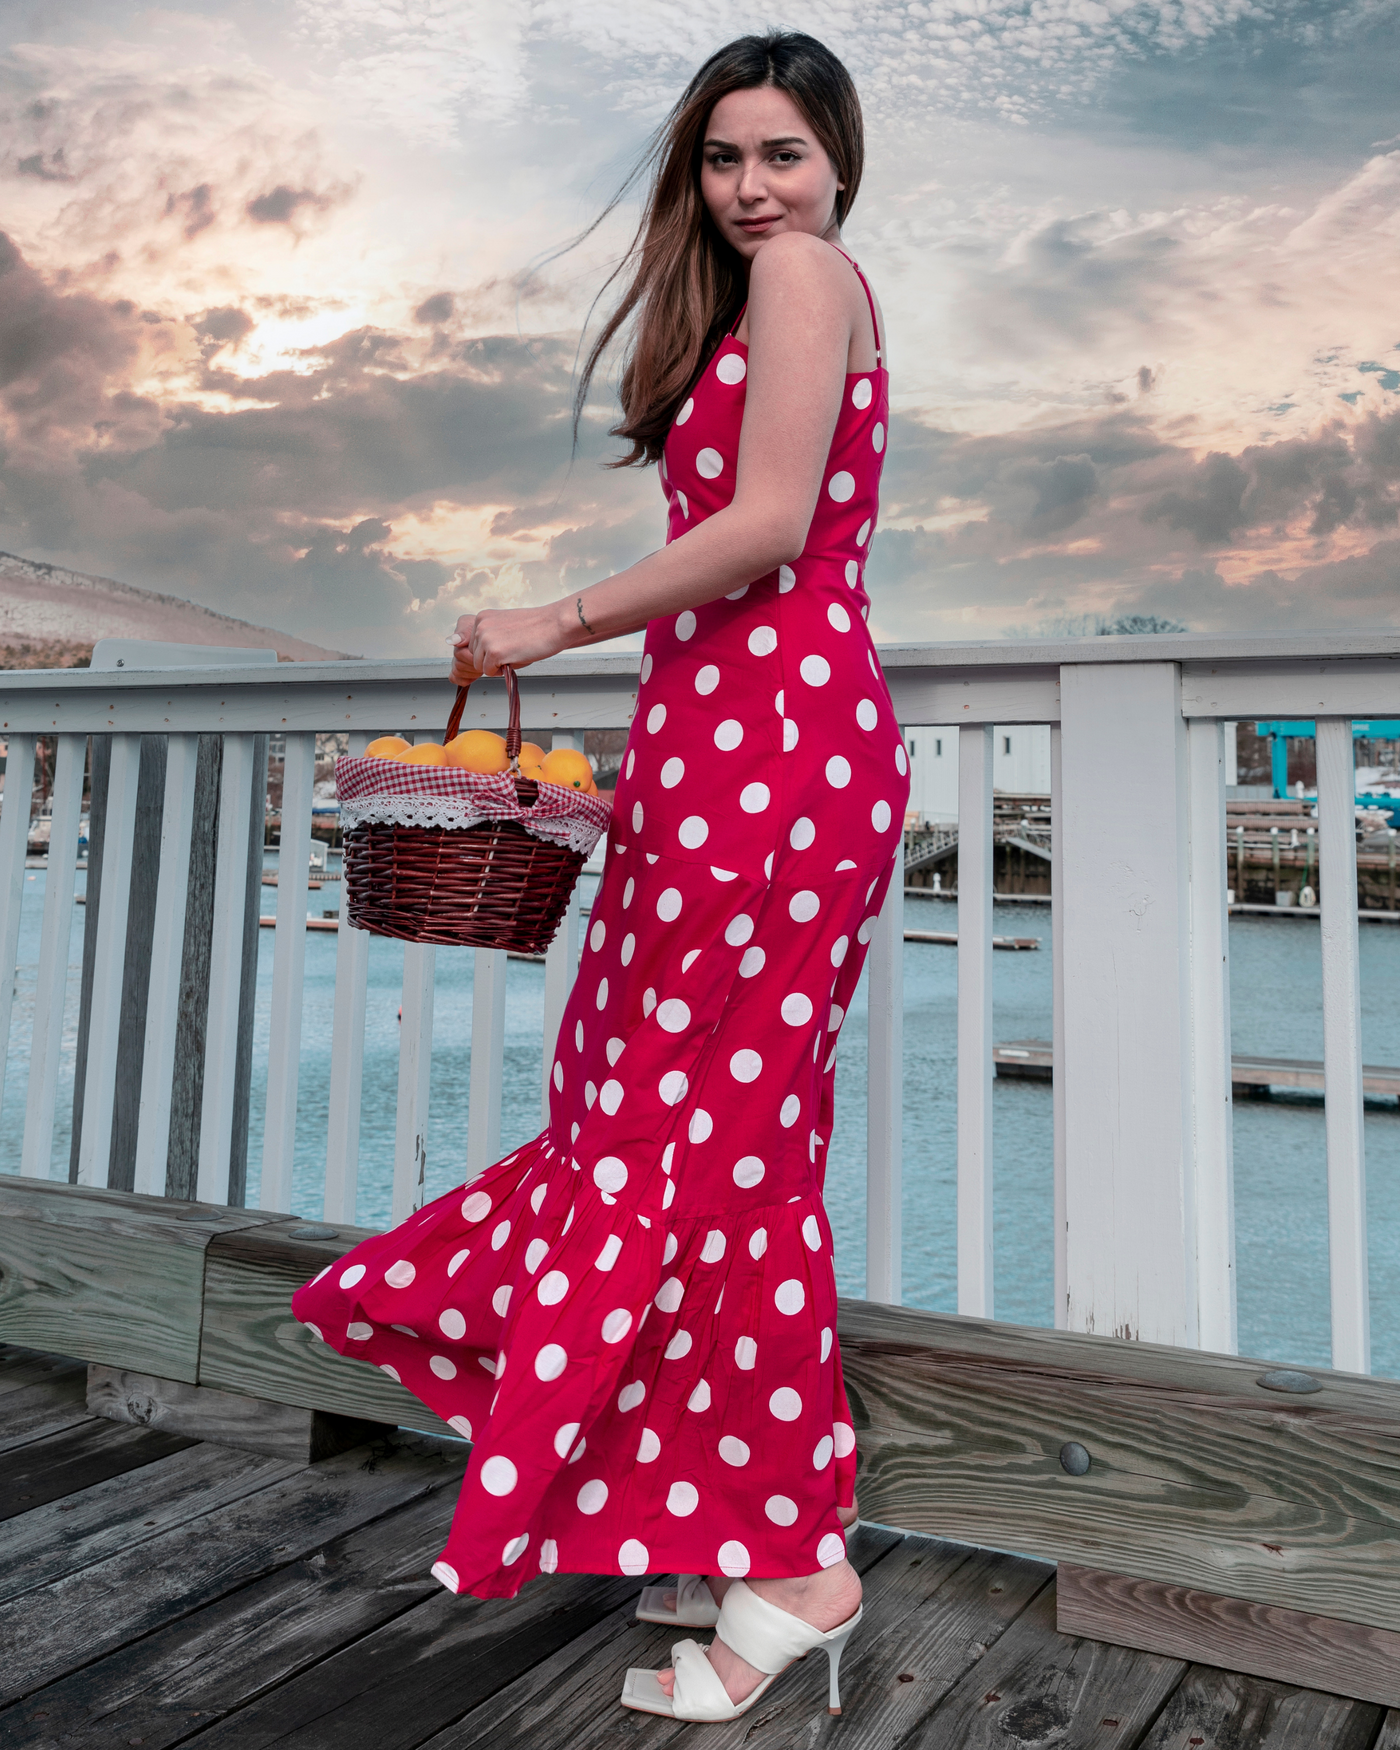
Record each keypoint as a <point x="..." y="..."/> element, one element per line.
<point x="390" y="792"/>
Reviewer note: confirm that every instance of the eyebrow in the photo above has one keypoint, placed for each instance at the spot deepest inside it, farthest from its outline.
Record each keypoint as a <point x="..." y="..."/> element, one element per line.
<point x="768" y="145"/>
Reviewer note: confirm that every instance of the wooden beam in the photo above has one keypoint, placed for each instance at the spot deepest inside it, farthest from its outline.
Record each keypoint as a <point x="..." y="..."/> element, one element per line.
<point x="1262" y="1640"/>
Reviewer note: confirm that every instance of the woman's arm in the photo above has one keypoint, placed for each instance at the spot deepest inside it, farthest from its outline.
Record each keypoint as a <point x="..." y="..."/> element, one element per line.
<point x="800" y="319"/>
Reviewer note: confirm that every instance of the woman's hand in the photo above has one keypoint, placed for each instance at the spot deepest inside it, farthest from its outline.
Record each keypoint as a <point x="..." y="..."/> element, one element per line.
<point x="498" y="638"/>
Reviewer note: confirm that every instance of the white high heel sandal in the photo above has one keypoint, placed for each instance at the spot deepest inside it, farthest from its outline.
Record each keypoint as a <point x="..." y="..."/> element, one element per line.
<point x="768" y="1638"/>
<point x="695" y="1604"/>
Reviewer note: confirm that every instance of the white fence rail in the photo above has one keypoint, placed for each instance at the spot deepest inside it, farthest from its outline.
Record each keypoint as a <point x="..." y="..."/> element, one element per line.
<point x="1144" y="1204"/>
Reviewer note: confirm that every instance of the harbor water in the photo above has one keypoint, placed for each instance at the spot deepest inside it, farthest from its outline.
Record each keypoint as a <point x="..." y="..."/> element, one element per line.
<point x="1280" y="1160"/>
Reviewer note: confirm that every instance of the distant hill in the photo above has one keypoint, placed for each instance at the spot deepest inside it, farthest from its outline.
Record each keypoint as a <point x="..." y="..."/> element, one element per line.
<point x="51" y="618"/>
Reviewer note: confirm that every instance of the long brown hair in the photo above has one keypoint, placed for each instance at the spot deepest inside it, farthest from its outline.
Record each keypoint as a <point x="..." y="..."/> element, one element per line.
<point x="687" y="284"/>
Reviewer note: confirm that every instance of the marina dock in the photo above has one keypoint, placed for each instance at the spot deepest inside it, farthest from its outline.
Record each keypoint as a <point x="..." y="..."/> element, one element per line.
<point x="1034" y="1060"/>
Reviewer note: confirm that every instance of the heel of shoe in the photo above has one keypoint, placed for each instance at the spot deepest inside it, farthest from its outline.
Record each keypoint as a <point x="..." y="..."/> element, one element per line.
<point x="834" y="1650"/>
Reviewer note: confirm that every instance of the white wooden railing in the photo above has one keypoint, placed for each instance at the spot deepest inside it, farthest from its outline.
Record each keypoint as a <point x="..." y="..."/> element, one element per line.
<point x="1144" y="1203"/>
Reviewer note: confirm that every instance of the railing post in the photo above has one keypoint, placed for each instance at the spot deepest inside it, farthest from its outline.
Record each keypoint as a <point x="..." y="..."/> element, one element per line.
<point x="1210" y="1035"/>
<point x="1126" y="1062"/>
<point x="347" y="1057"/>
<point x="975" y="1288"/>
<point x="488" y="1047"/>
<point x="1341" y="1047"/>
<point x="14" y="842"/>
<point x="884" y="1153"/>
<point x="1057" y="1022"/>
<point x="288" y="975"/>
<point x="415" y="1064"/>
<point x="560" y="967"/>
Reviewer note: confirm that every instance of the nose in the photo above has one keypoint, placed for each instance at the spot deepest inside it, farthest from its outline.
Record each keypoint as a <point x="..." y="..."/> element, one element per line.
<point x="753" y="184"/>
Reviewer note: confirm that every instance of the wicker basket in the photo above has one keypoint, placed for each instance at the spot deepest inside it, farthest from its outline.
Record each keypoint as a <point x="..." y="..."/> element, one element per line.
<point x="493" y="883"/>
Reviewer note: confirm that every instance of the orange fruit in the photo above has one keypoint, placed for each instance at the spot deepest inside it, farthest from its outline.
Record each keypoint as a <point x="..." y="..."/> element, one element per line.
<point x="567" y="766"/>
<point x="534" y="769"/>
<point x="477" y="750"/>
<point x="530" y="755"/>
<point x="387" y="747"/>
<point x="426" y="753"/>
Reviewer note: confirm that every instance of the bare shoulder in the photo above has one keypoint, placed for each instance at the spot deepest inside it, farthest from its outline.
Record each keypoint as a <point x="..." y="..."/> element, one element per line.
<point x="795" y="263"/>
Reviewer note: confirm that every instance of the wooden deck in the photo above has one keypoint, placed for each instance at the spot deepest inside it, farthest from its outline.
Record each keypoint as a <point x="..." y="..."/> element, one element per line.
<point x="159" y="1591"/>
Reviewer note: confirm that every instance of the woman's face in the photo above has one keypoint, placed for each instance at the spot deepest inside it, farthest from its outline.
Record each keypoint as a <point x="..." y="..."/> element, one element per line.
<point x="763" y="171"/>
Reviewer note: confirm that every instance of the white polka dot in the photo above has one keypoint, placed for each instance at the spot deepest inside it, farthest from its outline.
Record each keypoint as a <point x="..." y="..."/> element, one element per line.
<point x="737" y="595"/>
<point x="693" y="831"/>
<point x="748" y="1172"/>
<point x="845" y="1439"/>
<point x="679" y="1346"/>
<point x="754" y="798"/>
<point x="790" y="733"/>
<point x="785" y="1404"/>
<point x="673" y="1086"/>
<point x="610" y="1096"/>
<point x="790" y="1297"/>
<point x="729" y="734"/>
<point x="668" y="1296"/>
<point x="631" y="1395"/>
<point x="863" y="532"/>
<point x="610" y="1174"/>
<point x="500" y="1300"/>
<point x="499" y="1235"/>
<point x="733" y="1559"/>
<point x="880" y="816"/>
<point x="861" y="395"/>
<point x="671" y="774"/>
<point x="815" y="670"/>
<point x="550" y="1362"/>
<point x="835" y="1018"/>
<point x="821" y="1457"/>
<point x="763" y="641"/>
<point x="612" y="1248"/>
<point x="593" y="1496"/>
<point x="590" y="1094"/>
<point x="901" y="762"/>
<point x="656" y="717"/>
<point x="811" y="1233"/>
<point x="687" y="408"/>
<point x="638" y="816"/>
<point x="838" y="771"/>
<point x="877" y="437"/>
<point x="685" y="626"/>
<point x="616" y="1325"/>
<point x="646" y="668"/>
<point x="458" y="1259"/>
<point x="804" y="906"/>
<point x="842" y="486"/>
<point x="699" y="1399"/>
<point x="462" y="1425"/>
<point x="442" y="1366"/>
<point x="553" y="1287"/>
<point x="758" y="1242"/>
<point x="838" y="617"/>
<point x="683" y="501"/>
<point x="673" y="1016"/>
<point x="746" y="1065"/>
<point x="452" y="1324"/>
<point x="690" y="959"/>
<point x="701" y="1125"/>
<point x="780" y="1510"/>
<point x="565" y="1438"/>
<point x="796" y="1009"/>
<point x="787" y="578"/>
<point x="867" y="714"/>
<point x="384" y="1366"/>
<point x="852" y="574"/>
<point x="400" y="1275"/>
<point x="446" y="1573"/>
<point x="627" y="893"/>
<point x="682" y="1500"/>
<point x="713" y="1249"/>
<point x="558" y="1074"/>
<point x="831" y="1549"/>
<point x="707" y="679"/>
<point x="498" y="1475"/>
<point x="745" y="1354"/>
<point x="733" y="1451"/>
<point x="790" y="1112"/>
<point x="602" y="997"/>
<point x="738" y="930"/>
<point x="731" y="368"/>
<point x="633" y="1557"/>
<point x="649" y="1447"/>
<point x="752" y="963"/>
<point x="709" y="464"/>
<point x="668" y="906"/>
<point x="866" y="930"/>
<point x="348" y="1278"/>
<point x="803" y="834"/>
<point x="360" y="1333"/>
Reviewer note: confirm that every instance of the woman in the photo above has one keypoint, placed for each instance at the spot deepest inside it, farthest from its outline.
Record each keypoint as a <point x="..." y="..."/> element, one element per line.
<point x="634" y="1315"/>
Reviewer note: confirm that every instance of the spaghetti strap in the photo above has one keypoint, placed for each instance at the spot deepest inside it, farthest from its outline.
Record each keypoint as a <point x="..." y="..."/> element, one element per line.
<point x="869" y="298"/>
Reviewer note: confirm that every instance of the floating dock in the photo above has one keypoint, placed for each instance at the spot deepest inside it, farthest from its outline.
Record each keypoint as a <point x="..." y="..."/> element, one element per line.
<point x="1034" y="1060"/>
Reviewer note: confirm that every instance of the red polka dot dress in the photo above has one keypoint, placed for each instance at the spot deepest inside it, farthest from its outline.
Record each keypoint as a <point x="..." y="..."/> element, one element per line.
<point x="634" y="1317"/>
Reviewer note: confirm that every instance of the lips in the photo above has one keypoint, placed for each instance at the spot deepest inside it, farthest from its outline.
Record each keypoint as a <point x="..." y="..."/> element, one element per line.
<point x="758" y="224"/>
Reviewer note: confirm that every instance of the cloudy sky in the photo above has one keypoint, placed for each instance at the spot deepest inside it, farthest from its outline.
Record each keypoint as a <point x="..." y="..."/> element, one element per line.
<point x="279" y="330"/>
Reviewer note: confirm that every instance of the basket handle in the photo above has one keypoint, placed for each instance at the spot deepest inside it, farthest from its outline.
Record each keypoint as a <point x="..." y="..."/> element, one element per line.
<point x="454" y="721"/>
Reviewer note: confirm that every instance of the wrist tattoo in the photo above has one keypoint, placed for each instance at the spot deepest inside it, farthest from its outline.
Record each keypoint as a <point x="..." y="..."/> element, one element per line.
<point x="578" y="604"/>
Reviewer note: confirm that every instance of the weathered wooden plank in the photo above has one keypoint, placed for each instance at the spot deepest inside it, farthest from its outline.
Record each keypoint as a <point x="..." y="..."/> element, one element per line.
<point x="1389" y="1738"/>
<point x="38" y="1410"/>
<point x="1218" y="1710"/>
<point x="84" y="1615"/>
<point x="187" y="1083"/>
<point x="1262" y="1640"/>
<point x="286" y="1431"/>
<point x="21" y="1368"/>
<point x="61" y="1464"/>
<point x="195" y="1671"/>
<point x="1037" y="1687"/>
<point x="571" y="1697"/>
<point x="1214" y="1484"/>
<point x="105" y="1275"/>
<point x="99" y="775"/>
<point x="117" y="1516"/>
<point x="252" y="1343"/>
<point x="423" y="1669"/>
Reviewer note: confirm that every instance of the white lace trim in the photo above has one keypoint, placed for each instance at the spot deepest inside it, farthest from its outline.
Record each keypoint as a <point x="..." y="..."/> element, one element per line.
<point x="571" y="832"/>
